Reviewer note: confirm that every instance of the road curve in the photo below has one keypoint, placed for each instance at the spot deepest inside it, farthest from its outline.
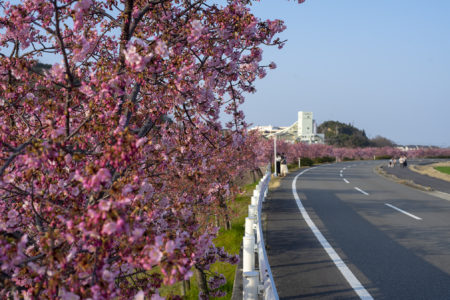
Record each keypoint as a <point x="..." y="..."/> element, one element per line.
<point x="392" y="239"/>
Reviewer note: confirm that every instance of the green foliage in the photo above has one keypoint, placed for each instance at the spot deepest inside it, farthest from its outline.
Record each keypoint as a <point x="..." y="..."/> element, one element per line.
<point x="306" y="162"/>
<point x="380" y="141"/>
<point x="292" y="166"/>
<point x="445" y="170"/>
<point x="41" y="67"/>
<point x="343" y="135"/>
<point x="383" y="157"/>
<point x="324" y="159"/>
<point x="346" y="135"/>
<point x="348" y="159"/>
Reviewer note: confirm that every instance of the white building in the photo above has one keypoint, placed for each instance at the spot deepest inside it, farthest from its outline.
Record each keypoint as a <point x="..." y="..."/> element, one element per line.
<point x="307" y="129"/>
<point x="303" y="130"/>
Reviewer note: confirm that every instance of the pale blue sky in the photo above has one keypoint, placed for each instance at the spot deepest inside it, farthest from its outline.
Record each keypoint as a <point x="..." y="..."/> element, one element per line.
<point x="382" y="65"/>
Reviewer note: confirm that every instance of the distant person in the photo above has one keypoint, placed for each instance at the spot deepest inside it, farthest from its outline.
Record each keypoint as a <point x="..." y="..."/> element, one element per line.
<point x="405" y="162"/>
<point x="391" y="163"/>
<point x="284" y="168"/>
<point x="401" y="160"/>
<point x="278" y="164"/>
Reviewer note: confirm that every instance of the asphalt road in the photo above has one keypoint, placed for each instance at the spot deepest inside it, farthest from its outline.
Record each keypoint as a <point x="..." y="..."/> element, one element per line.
<point x="353" y="234"/>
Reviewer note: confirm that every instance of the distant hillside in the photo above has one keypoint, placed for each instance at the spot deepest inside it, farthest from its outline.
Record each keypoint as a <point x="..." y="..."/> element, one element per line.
<point x="41" y="67"/>
<point x="346" y="135"/>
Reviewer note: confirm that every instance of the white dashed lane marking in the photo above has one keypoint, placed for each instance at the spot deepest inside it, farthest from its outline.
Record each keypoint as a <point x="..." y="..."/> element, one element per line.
<point x="403" y="212"/>
<point x="361" y="191"/>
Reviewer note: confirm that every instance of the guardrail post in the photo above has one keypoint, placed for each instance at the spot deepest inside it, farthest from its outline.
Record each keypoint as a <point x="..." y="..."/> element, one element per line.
<point x="252" y="211"/>
<point x="248" y="263"/>
<point x="254" y="201"/>
<point x="250" y="226"/>
<point x="251" y="285"/>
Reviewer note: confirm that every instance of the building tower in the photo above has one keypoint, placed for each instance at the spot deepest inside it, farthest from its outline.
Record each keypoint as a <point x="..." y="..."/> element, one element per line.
<point x="305" y="125"/>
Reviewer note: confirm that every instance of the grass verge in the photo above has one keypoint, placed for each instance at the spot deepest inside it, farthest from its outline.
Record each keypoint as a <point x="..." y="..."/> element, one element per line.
<point x="445" y="170"/>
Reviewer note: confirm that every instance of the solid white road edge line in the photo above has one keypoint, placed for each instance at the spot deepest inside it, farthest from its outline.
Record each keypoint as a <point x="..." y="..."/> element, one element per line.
<point x="346" y="181"/>
<point x="342" y="267"/>
<point x="360" y="190"/>
<point x="403" y="212"/>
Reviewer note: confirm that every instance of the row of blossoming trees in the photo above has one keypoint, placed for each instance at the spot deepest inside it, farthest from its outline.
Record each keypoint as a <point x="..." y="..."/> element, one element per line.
<point x="294" y="151"/>
<point x="113" y="161"/>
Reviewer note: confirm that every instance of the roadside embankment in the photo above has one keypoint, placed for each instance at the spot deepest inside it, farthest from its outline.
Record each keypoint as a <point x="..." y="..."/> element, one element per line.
<point x="430" y="170"/>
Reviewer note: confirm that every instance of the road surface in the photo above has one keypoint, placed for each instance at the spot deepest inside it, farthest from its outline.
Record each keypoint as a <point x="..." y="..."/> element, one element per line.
<point x="341" y="231"/>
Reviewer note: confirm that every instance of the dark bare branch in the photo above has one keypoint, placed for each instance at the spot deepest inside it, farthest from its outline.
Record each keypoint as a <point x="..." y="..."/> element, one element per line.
<point x="14" y="155"/>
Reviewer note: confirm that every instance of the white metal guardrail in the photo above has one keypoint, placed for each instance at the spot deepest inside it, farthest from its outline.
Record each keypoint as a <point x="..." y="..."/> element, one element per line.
<point x="258" y="283"/>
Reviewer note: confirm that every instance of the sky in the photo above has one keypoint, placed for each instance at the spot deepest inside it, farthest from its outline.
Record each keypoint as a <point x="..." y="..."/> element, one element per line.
<point x="383" y="66"/>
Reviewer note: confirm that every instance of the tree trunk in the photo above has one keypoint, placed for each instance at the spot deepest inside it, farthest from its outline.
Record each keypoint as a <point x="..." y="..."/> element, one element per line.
<point x="260" y="173"/>
<point x="216" y="221"/>
<point x="201" y="281"/>
<point x="186" y="288"/>
<point x="224" y="207"/>
<point x="227" y="221"/>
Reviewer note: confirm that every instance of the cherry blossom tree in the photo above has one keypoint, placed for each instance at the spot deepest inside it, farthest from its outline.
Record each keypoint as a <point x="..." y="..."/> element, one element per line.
<point x="113" y="159"/>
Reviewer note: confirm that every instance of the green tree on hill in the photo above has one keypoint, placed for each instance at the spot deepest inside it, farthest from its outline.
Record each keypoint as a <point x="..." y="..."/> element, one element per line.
<point x="343" y="135"/>
<point x="380" y="141"/>
<point x="346" y="135"/>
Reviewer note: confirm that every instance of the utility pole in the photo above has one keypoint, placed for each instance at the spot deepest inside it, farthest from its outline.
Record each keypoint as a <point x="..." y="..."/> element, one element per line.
<point x="275" y="155"/>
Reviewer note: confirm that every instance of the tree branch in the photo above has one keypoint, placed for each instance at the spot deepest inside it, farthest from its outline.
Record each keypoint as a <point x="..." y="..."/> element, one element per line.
<point x="18" y="151"/>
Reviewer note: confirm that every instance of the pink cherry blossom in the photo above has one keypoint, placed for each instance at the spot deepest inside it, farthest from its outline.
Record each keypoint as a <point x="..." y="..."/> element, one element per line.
<point x="139" y="296"/>
<point x="109" y="228"/>
<point x="103" y="175"/>
<point x="65" y="295"/>
<point x="85" y="89"/>
<point x="104" y="205"/>
<point x="81" y="53"/>
<point x="30" y="96"/>
<point x="161" y="49"/>
<point x="196" y="32"/>
<point x="57" y="72"/>
<point x="82" y="5"/>
<point x="13" y="219"/>
<point x="138" y="232"/>
<point x="170" y="247"/>
<point x="108" y="276"/>
<point x="134" y="60"/>
<point x="141" y="142"/>
<point x="155" y="255"/>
